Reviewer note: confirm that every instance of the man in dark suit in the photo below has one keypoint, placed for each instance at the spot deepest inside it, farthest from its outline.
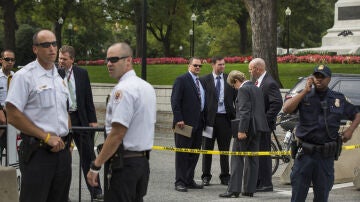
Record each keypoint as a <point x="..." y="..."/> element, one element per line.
<point x="250" y="111"/>
<point x="81" y="109"/>
<point x="188" y="103"/>
<point x="273" y="103"/>
<point x="220" y="110"/>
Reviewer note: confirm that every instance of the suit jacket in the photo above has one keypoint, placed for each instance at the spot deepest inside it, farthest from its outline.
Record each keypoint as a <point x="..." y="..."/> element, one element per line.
<point x="185" y="102"/>
<point x="272" y="99"/>
<point x="249" y="104"/>
<point x="84" y="97"/>
<point x="211" y="102"/>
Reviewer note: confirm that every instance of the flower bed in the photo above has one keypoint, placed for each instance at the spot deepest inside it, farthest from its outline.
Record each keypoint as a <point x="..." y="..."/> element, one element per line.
<point x="313" y="58"/>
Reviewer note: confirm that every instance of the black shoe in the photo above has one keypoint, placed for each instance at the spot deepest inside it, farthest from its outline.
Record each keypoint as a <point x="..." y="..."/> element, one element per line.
<point x="225" y="182"/>
<point x="180" y="188"/>
<point x="265" y="189"/>
<point x="195" y="186"/>
<point x="98" y="197"/>
<point x="247" y="194"/>
<point x="206" y="181"/>
<point x="229" y="194"/>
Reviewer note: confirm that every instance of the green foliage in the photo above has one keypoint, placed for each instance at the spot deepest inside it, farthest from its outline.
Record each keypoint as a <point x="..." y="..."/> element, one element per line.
<point x="24" y="53"/>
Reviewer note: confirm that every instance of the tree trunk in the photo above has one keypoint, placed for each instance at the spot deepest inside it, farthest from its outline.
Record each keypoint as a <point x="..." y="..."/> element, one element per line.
<point x="263" y="17"/>
<point x="242" y="22"/>
<point x="138" y="24"/>
<point x="9" y="24"/>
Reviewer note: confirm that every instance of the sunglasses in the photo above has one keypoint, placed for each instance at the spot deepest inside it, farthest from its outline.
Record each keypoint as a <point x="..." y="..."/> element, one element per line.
<point x="196" y="65"/>
<point x="46" y="44"/>
<point x="9" y="59"/>
<point x="115" y="59"/>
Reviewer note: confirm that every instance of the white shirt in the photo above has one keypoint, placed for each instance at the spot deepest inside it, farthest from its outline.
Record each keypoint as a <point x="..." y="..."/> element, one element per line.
<point x="41" y="95"/>
<point x="71" y="81"/>
<point x="132" y="103"/>
<point x="3" y="86"/>
<point x="260" y="79"/>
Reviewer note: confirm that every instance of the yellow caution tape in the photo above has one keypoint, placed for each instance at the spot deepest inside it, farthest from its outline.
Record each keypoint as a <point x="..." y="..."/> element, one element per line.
<point x="259" y="153"/>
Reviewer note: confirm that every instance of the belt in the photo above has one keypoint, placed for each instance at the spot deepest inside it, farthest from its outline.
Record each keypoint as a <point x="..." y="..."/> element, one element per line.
<point x="220" y="114"/>
<point x="31" y="140"/>
<point x="133" y="154"/>
<point x="71" y="112"/>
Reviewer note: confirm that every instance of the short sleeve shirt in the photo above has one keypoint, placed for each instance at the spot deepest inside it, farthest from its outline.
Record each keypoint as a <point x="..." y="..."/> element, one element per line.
<point x="132" y="103"/>
<point x="3" y="86"/>
<point x="42" y="96"/>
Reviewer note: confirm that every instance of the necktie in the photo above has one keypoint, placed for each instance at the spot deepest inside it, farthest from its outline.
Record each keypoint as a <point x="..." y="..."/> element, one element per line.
<point x="218" y="86"/>
<point x="256" y="83"/>
<point x="72" y="93"/>
<point x="198" y="87"/>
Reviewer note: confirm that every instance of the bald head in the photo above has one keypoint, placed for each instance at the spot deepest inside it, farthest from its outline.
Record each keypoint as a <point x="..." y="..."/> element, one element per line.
<point x="257" y="67"/>
<point x="119" y="59"/>
<point x="122" y="48"/>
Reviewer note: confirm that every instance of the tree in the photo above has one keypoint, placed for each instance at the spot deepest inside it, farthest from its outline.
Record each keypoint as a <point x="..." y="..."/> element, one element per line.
<point x="263" y="18"/>
<point x="10" y="25"/>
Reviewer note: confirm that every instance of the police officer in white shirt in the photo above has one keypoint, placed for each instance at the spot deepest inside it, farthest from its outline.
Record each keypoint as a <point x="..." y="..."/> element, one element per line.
<point x="37" y="105"/>
<point x="130" y="122"/>
<point x="7" y="62"/>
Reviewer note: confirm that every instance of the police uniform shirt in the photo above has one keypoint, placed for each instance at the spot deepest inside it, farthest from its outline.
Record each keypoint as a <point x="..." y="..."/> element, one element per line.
<point x="311" y="127"/>
<point x="41" y="95"/>
<point x="133" y="104"/>
<point x="3" y="86"/>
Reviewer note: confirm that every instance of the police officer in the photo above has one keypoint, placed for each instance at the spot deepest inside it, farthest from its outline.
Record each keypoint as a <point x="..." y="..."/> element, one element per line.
<point x="7" y="62"/>
<point x="37" y="106"/>
<point x="130" y="125"/>
<point x="320" y="111"/>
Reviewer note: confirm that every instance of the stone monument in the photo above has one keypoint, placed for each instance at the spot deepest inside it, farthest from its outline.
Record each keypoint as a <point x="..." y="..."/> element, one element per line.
<point x="344" y="36"/>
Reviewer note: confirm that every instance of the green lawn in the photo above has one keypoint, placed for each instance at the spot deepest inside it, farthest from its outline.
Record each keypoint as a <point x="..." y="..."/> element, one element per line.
<point x="166" y="74"/>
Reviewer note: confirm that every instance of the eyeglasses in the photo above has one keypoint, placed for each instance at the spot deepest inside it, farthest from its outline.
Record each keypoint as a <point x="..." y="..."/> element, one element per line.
<point x="115" y="59"/>
<point x="47" y="44"/>
<point x="196" y="65"/>
<point x="9" y="59"/>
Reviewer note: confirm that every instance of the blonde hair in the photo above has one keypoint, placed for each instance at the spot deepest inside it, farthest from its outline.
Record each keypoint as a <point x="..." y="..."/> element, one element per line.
<point x="235" y="75"/>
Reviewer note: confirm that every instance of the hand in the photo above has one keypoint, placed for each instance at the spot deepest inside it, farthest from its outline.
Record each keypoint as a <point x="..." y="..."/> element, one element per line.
<point x="242" y="136"/>
<point x="309" y="83"/>
<point x="2" y="117"/>
<point x="93" y="124"/>
<point x="92" y="178"/>
<point x="56" y="143"/>
<point x="346" y="135"/>
<point x="181" y="124"/>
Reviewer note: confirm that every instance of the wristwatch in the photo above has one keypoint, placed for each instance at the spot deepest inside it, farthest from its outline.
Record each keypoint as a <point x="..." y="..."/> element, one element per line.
<point x="93" y="167"/>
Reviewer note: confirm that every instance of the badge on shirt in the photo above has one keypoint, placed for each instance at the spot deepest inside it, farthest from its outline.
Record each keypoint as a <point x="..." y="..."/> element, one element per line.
<point x="337" y="103"/>
<point x="117" y="96"/>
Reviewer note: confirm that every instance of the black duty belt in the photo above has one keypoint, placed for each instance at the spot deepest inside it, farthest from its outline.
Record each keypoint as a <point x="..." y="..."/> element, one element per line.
<point x="133" y="154"/>
<point x="31" y="140"/>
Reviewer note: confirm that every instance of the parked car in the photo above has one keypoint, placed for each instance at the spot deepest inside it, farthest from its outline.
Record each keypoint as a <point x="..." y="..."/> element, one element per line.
<point x="348" y="84"/>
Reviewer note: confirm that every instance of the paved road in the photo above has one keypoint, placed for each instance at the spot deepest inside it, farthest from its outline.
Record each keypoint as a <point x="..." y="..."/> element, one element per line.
<point x="161" y="185"/>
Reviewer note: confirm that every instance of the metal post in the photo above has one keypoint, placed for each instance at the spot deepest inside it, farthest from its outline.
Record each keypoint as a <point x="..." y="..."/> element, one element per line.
<point x="287" y="14"/>
<point x="144" y="47"/>
<point x="193" y="39"/>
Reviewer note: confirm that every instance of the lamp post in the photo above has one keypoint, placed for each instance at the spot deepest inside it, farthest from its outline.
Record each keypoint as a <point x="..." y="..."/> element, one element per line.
<point x="181" y="49"/>
<point x="191" y="32"/>
<point x="287" y="14"/>
<point x="193" y="19"/>
<point x="70" y="29"/>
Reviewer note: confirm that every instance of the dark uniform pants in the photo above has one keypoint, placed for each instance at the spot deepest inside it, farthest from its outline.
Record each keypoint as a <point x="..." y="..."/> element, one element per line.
<point x="129" y="184"/>
<point x="316" y="169"/>
<point x="46" y="177"/>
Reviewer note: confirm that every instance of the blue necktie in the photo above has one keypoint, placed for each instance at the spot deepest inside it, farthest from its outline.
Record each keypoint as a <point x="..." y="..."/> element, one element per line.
<point x="218" y="86"/>
<point x="198" y="87"/>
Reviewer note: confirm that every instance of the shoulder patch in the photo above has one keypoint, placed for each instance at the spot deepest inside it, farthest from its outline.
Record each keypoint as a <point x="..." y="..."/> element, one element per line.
<point x="117" y="96"/>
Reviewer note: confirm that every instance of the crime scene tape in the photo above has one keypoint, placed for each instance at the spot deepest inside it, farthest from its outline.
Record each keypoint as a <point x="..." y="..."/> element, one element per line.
<point x="259" y="153"/>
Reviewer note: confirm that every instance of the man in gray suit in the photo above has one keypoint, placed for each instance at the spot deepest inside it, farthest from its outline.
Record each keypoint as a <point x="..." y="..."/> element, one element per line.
<point x="252" y="124"/>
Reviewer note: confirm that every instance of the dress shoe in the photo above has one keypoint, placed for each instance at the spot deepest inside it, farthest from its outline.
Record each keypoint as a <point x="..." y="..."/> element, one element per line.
<point x="247" y="194"/>
<point x="206" y="181"/>
<point x="98" y="197"/>
<point x="195" y="186"/>
<point x="229" y="194"/>
<point x="265" y="189"/>
<point x="180" y="188"/>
